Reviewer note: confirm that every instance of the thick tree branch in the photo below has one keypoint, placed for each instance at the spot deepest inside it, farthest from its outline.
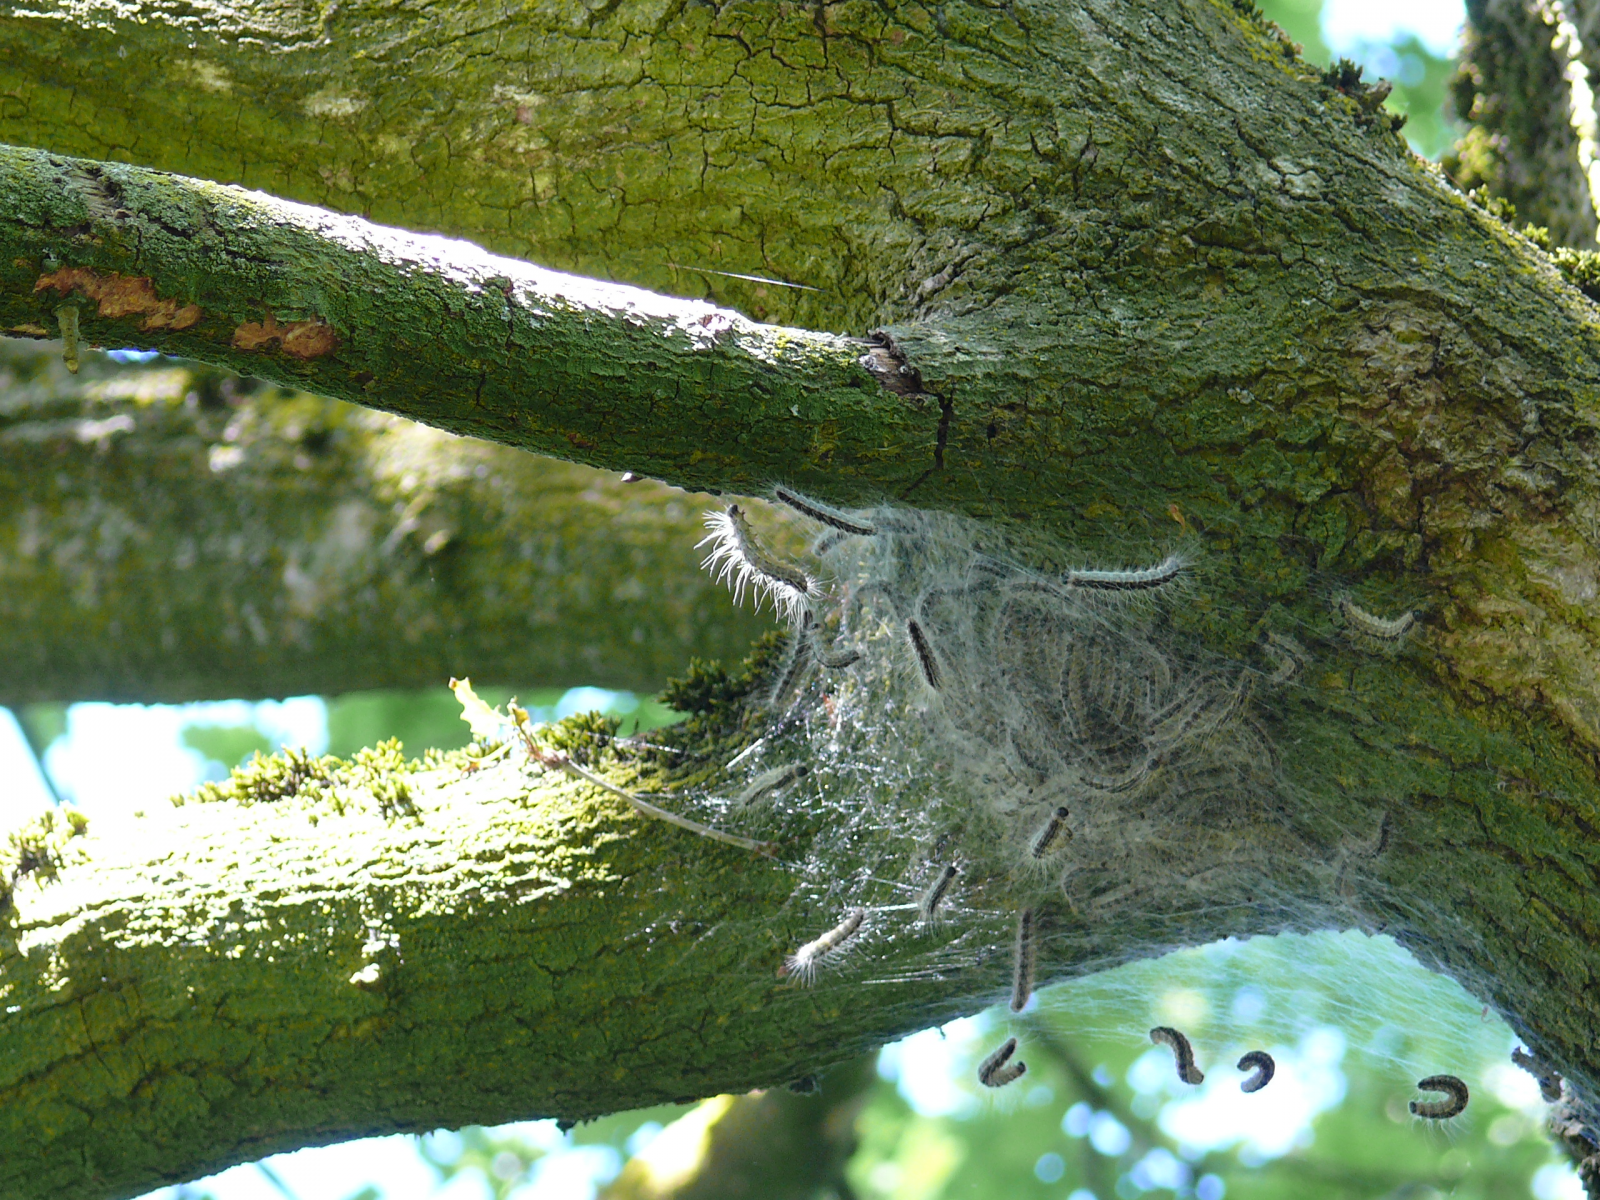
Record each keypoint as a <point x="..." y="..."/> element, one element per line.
<point x="169" y="533"/>
<point x="210" y="984"/>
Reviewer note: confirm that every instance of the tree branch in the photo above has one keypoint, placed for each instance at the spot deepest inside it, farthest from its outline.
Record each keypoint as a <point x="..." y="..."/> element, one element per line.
<point x="1512" y="86"/>
<point x="437" y="331"/>
<point x="213" y="983"/>
<point x="169" y="533"/>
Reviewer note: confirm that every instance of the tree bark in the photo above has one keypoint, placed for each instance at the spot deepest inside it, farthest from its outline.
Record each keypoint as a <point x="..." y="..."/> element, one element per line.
<point x="1150" y="277"/>
<point x="169" y="533"/>
<point x="217" y="982"/>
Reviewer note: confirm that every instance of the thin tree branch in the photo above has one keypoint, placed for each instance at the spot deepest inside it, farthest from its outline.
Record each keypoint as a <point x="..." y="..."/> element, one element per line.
<point x="433" y="329"/>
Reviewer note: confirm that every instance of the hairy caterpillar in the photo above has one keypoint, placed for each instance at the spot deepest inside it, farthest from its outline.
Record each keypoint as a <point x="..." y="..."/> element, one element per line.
<point x="839" y="661"/>
<point x="1164" y="1035"/>
<point x="925" y="659"/>
<point x="1261" y="1063"/>
<point x="928" y="906"/>
<point x="1139" y="580"/>
<point x="771" y="781"/>
<point x="1044" y="841"/>
<point x="1291" y="659"/>
<point x="993" y="1072"/>
<point x="735" y="552"/>
<point x="1113" y="784"/>
<point x="1022" y="980"/>
<point x="828" y="660"/>
<point x="799" y="660"/>
<point x="1377" y="628"/>
<point x="829" y="542"/>
<point x="1549" y="1081"/>
<point x="805" y="961"/>
<point x="822" y="513"/>
<point x="1440" y="1110"/>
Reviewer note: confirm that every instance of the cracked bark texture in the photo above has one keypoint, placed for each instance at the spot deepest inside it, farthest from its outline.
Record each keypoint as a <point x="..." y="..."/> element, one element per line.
<point x="169" y="532"/>
<point x="1151" y="279"/>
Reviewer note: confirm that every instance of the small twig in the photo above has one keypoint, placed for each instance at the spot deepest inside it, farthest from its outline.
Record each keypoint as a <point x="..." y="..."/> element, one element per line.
<point x="557" y="761"/>
<point x="275" y="1180"/>
<point x="661" y="814"/>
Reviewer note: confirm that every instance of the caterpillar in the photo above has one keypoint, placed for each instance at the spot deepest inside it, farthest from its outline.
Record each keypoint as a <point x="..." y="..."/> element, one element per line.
<point x="1112" y="784"/>
<point x="993" y="1072"/>
<point x="925" y="658"/>
<point x="828" y="660"/>
<point x="1377" y="628"/>
<point x="1197" y="714"/>
<point x="928" y="906"/>
<point x="1045" y="840"/>
<point x="822" y="513"/>
<point x="839" y="661"/>
<point x="1549" y="1081"/>
<point x="1163" y="1035"/>
<point x="735" y="552"/>
<point x="829" y="542"/>
<point x="1261" y="1063"/>
<point x="1288" y="654"/>
<point x="1440" y="1110"/>
<point x="1022" y="980"/>
<point x="799" y="661"/>
<point x="771" y="781"/>
<point x="805" y="961"/>
<point x="1139" y="580"/>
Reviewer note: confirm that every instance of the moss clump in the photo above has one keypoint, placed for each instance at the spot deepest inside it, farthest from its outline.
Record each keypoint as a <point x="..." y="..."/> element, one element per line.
<point x="583" y="736"/>
<point x="380" y="771"/>
<point x="719" y="701"/>
<point x="705" y="687"/>
<point x="375" y="776"/>
<point x="267" y="778"/>
<point x="1287" y="46"/>
<point x="37" y="849"/>
<point x="1581" y="267"/>
<point x="1344" y="77"/>
<point x="1502" y="209"/>
<point x="710" y="689"/>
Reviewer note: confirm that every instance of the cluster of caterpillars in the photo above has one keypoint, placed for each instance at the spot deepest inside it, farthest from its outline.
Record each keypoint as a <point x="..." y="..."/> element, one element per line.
<point x="1122" y="733"/>
<point x="1114" y="733"/>
<point x="736" y="555"/>
<point x="999" y="1069"/>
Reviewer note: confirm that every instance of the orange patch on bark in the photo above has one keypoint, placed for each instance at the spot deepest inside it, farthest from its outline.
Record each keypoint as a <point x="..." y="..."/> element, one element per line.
<point x="122" y="296"/>
<point x="302" y="339"/>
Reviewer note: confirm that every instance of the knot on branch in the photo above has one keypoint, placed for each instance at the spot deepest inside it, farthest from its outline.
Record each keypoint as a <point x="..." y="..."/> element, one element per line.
<point x="889" y="366"/>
